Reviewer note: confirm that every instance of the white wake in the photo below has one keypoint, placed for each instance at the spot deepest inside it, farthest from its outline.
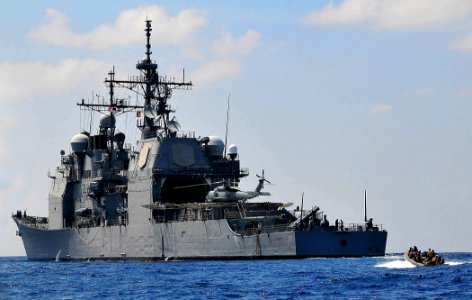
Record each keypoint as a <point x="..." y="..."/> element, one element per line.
<point x="396" y="264"/>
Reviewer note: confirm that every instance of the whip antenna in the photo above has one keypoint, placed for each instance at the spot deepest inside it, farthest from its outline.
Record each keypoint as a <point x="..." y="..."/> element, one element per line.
<point x="227" y="122"/>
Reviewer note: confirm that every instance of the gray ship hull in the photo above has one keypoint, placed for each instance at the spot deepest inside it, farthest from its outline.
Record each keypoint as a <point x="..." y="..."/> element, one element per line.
<point x="212" y="239"/>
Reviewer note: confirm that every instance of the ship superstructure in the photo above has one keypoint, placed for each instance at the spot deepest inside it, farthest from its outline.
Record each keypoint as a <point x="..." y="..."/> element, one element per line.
<point x="172" y="195"/>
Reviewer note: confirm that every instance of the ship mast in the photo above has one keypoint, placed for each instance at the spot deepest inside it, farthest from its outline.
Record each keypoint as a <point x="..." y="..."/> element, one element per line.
<point x="155" y="90"/>
<point x="149" y="69"/>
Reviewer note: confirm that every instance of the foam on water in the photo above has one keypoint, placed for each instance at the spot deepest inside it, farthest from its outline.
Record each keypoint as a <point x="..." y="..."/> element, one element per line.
<point x="396" y="264"/>
<point x="456" y="263"/>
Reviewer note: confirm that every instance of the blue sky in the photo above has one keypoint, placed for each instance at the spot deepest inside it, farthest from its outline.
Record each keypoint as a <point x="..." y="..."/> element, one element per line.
<point x="329" y="97"/>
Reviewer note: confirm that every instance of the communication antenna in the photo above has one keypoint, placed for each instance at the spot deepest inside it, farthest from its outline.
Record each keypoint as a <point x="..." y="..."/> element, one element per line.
<point x="227" y="122"/>
<point x="90" y="116"/>
<point x="301" y="212"/>
<point x="365" y="205"/>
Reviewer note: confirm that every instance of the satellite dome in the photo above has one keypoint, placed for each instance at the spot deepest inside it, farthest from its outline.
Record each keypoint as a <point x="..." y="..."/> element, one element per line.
<point x="214" y="140"/>
<point x="232" y="151"/>
<point x="215" y="146"/>
<point x="107" y="120"/>
<point x="173" y="126"/>
<point x="79" y="143"/>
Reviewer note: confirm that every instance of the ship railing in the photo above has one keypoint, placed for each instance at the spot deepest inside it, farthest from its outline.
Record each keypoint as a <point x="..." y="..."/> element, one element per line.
<point x="361" y="227"/>
<point x="349" y="227"/>
<point x="271" y="213"/>
<point x="275" y="228"/>
<point x="186" y="134"/>
<point x="244" y="171"/>
<point x="31" y="221"/>
<point x="267" y="229"/>
<point x="201" y="172"/>
<point x="89" y="174"/>
<point x="238" y="214"/>
<point x="183" y="218"/>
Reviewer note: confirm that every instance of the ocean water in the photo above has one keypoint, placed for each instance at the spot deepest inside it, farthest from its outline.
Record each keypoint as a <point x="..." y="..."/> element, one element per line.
<point x="387" y="277"/>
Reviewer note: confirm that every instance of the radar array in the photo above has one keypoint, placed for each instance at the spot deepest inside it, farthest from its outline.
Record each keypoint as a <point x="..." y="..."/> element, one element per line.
<point x="155" y="90"/>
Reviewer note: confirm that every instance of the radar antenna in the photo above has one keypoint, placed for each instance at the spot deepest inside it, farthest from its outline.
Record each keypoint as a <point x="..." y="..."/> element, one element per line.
<point x="155" y="90"/>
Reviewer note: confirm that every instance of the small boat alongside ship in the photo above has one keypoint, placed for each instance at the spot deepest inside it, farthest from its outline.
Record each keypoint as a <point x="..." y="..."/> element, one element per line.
<point x="425" y="258"/>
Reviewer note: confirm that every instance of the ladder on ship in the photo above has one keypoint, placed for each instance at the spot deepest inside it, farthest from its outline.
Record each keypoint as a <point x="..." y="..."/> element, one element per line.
<point x="242" y="211"/>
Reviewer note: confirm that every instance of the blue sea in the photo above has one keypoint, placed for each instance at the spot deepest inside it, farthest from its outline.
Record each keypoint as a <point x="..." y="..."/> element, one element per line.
<point x="387" y="277"/>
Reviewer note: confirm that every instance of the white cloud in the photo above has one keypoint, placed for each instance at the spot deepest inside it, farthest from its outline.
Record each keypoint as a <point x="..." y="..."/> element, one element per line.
<point x="465" y="92"/>
<point x="10" y="195"/>
<point x="391" y="14"/>
<point x="44" y="79"/>
<point x="463" y="44"/>
<point x="7" y="194"/>
<point x="228" y="45"/>
<point x="423" y="91"/>
<point x="6" y="124"/>
<point x="226" y="58"/>
<point x="380" y="108"/>
<point x="169" y="30"/>
<point x="215" y="70"/>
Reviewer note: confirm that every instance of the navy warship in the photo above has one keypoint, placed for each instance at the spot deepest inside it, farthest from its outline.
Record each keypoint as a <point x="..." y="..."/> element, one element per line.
<point x="171" y="196"/>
